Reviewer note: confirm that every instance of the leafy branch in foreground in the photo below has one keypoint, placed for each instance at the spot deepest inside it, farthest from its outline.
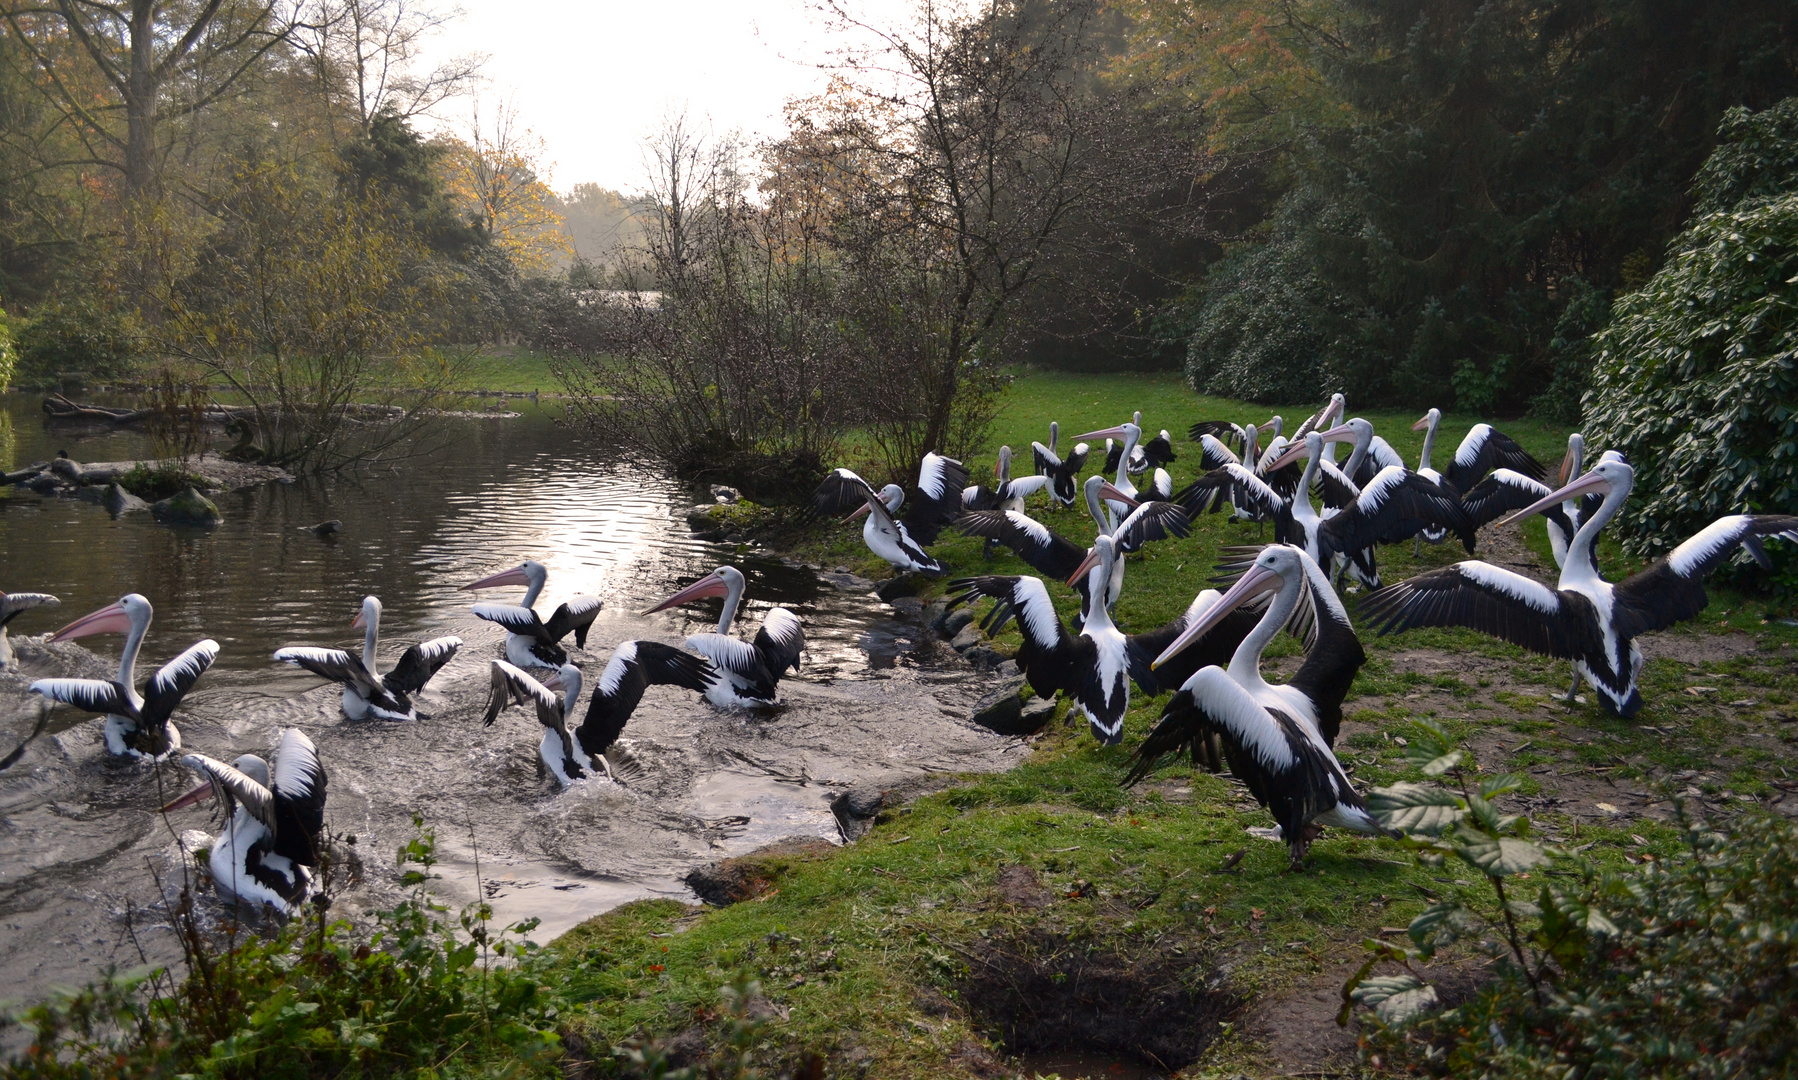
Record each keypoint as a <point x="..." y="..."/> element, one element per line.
<point x="1455" y="818"/>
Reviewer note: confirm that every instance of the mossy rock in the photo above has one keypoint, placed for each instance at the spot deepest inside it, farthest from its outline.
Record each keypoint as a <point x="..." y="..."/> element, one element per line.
<point x="188" y="507"/>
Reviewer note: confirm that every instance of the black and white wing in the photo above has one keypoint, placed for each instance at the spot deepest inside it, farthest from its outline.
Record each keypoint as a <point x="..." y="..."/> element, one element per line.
<point x="940" y="483"/>
<point x="88" y="695"/>
<point x="1233" y="485"/>
<point x="1213" y="454"/>
<point x="1047" y="552"/>
<point x="174" y="679"/>
<point x="576" y="614"/>
<point x="1334" y="487"/>
<point x="1159" y="450"/>
<point x="1077" y="459"/>
<point x="1398" y="503"/>
<point x="333" y="664"/>
<point x="1333" y="656"/>
<point x="1672" y="589"/>
<point x="234" y="789"/>
<point x="11" y="604"/>
<point x="1221" y="430"/>
<point x="1492" y="600"/>
<point x="419" y="663"/>
<point x="516" y="618"/>
<point x="741" y="659"/>
<point x="840" y="493"/>
<point x="1044" y="458"/>
<point x="514" y="686"/>
<point x="1022" y="487"/>
<point x="896" y="535"/>
<point x="1047" y="654"/>
<point x="1486" y="448"/>
<point x="1150" y="521"/>
<point x="299" y="798"/>
<point x="781" y="640"/>
<point x="1315" y="420"/>
<point x="635" y="667"/>
<point x="1215" y="648"/>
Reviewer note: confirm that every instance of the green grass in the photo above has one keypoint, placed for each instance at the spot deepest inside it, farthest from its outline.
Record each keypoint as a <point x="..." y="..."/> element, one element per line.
<point x="513" y="370"/>
<point x="900" y="912"/>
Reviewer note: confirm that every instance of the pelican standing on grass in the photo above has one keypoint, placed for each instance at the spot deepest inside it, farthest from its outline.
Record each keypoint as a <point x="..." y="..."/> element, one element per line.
<point x="1277" y="739"/>
<point x="275" y="822"/>
<point x="900" y="542"/>
<point x="748" y="673"/>
<point x="137" y="724"/>
<point x="530" y="641"/>
<point x="1585" y="618"/>
<point x="366" y="692"/>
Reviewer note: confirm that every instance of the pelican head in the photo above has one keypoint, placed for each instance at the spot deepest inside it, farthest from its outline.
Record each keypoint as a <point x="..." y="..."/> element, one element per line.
<point x="1275" y="424"/>
<point x="892" y="497"/>
<point x="1103" y="553"/>
<point x="130" y="613"/>
<point x="1272" y="569"/>
<point x="566" y="679"/>
<point x="527" y="573"/>
<point x="370" y="615"/>
<point x="1611" y="476"/>
<point x="1428" y="421"/>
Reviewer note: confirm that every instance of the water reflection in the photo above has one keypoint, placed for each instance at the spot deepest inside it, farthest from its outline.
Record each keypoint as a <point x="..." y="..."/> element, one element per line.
<point x="80" y="839"/>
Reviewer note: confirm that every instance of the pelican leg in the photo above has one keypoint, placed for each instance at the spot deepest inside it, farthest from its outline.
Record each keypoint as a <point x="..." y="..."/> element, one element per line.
<point x="607" y="766"/>
<point x="1574" y="689"/>
<point x="1417" y="545"/>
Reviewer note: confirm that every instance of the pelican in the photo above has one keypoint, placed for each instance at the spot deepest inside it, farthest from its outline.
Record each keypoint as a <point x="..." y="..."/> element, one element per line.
<point x="748" y="672"/>
<point x="901" y="543"/>
<point x="1131" y="434"/>
<point x="11" y="606"/>
<point x="635" y="666"/>
<point x="530" y="641"/>
<point x="1062" y="474"/>
<point x="1482" y="449"/>
<point x="1277" y="738"/>
<point x="1585" y="618"/>
<point x="137" y="724"/>
<point x="366" y="692"/>
<point x="1009" y="493"/>
<point x="275" y="825"/>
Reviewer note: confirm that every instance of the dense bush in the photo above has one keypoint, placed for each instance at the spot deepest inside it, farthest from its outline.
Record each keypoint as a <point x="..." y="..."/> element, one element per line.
<point x="1696" y="377"/>
<point x="100" y="344"/>
<point x="9" y="356"/>
<point x="1694" y="978"/>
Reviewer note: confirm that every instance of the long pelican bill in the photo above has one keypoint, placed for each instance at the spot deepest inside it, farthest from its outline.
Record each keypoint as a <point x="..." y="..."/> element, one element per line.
<point x="1593" y="481"/>
<point x="1112" y="494"/>
<point x="199" y="794"/>
<point x="1092" y="558"/>
<point x="1423" y="422"/>
<point x="110" y="619"/>
<point x="1108" y="433"/>
<point x="710" y="585"/>
<point x="1258" y="580"/>
<point x="514" y="576"/>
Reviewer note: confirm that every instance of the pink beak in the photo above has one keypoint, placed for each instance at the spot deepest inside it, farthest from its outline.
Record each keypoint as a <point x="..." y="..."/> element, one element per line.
<point x="1257" y="581"/>
<point x="554" y="682"/>
<point x="710" y="585"/>
<point x="1112" y="494"/>
<point x="111" y="619"/>
<point x="1421" y="424"/>
<point x="199" y="794"/>
<point x="357" y="623"/>
<point x="1592" y="481"/>
<point x="858" y="512"/>
<point x="1091" y="560"/>
<point x="1108" y="433"/>
<point x="514" y="576"/>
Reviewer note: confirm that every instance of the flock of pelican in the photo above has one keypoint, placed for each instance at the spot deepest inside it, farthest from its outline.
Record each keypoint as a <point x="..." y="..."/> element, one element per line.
<point x="1278" y="739"/>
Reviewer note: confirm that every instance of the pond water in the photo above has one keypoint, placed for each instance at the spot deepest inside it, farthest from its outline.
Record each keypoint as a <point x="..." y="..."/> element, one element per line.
<point x="81" y="841"/>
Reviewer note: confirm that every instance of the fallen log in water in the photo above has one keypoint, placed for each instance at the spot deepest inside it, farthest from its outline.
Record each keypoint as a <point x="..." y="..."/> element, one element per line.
<point x="58" y="407"/>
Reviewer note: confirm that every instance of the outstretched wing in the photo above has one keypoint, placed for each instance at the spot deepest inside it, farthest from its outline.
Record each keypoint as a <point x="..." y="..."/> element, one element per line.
<point x="577" y="614"/>
<point x="1213" y="454"/>
<point x="419" y="663"/>
<point x="635" y="666"/>
<point x="740" y="658"/>
<point x="1673" y="589"/>
<point x="1396" y="503"/>
<point x="11" y="604"/>
<point x="1222" y="430"/>
<point x="515" y="686"/>
<point x="1215" y="648"/>
<point x="1047" y="553"/>
<point x="333" y="664"/>
<point x="1489" y="599"/>
<point x="781" y="640"/>
<point x="1486" y="448"/>
<point x="1045" y="458"/>
<point x="1046" y="655"/>
<point x="1022" y="487"/>
<point x="88" y="695"/>
<point x="1159" y="450"/>
<point x="1338" y="490"/>
<point x="1232" y="484"/>
<point x="234" y="789"/>
<point x="1152" y="520"/>
<point x="174" y="679"/>
<point x="841" y="492"/>
<point x="299" y="791"/>
<point x="516" y="618"/>
<point x="897" y="535"/>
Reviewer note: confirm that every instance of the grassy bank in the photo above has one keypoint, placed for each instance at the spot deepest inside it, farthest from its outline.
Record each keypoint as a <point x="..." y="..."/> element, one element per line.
<point x="922" y="951"/>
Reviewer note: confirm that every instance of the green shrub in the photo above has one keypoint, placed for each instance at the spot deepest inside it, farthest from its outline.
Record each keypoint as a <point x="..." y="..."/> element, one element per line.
<point x="9" y="356"/>
<point x="1696" y="377"/>
<point x="419" y="997"/>
<point x="100" y="344"/>
<point x="155" y="482"/>
<point x="1694" y="979"/>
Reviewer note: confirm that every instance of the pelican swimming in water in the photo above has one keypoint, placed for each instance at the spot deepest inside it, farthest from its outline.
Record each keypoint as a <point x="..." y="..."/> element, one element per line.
<point x="748" y="671"/>
<point x="366" y="692"/>
<point x="274" y="826"/>
<point x="137" y="724"/>
<point x="12" y="605"/>
<point x="531" y="641"/>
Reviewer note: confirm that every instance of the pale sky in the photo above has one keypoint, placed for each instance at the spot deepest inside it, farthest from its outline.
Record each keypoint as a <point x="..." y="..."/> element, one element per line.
<point x="593" y="78"/>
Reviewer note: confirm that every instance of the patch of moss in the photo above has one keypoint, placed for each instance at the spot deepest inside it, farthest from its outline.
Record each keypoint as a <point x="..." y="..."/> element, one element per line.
<point x="153" y="482"/>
